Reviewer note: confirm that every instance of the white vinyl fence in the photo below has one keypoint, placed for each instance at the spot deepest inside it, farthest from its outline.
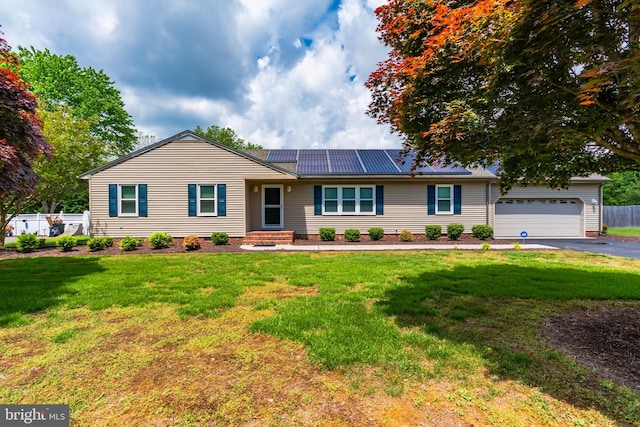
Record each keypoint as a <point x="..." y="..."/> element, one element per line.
<point x="621" y="216"/>
<point x="38" y="224"/>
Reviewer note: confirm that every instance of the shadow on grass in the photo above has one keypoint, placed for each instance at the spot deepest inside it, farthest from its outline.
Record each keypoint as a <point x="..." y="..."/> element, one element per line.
<point x="29" y="285"/>
<point x="497" y="310"/>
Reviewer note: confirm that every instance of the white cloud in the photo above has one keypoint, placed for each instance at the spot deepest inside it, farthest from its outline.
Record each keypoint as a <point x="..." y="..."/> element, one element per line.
<point x="281" y="73"/>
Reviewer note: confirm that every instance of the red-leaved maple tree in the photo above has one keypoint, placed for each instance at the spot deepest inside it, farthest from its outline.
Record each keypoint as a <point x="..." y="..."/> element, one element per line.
<point x="21" y="139"/>
<point x="549" y="89"/>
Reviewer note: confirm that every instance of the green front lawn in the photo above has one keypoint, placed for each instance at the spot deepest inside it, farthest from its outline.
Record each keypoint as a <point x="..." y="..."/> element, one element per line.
<point x="398" y="338"/>
<point x="50" y="242"/>
<point x="624" y="231"/>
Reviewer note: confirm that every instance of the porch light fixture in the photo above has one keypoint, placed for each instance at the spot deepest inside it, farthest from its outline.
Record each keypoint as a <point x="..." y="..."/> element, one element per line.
<point x="288" y="189"/>
<point x="255" y="188"/>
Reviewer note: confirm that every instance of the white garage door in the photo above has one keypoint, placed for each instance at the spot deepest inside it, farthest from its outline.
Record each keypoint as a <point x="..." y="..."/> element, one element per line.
<point x="538" y="217"/>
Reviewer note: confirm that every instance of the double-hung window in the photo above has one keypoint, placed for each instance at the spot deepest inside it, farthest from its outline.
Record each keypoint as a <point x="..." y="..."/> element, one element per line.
<point x="444" y="199"/>
<point x="128" y="200"/>
<point x="207" y="200"/>
<point x="348" y="200"/>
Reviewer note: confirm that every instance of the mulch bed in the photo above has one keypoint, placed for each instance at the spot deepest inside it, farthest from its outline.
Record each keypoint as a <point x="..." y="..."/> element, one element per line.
<point x="604" y="338"/>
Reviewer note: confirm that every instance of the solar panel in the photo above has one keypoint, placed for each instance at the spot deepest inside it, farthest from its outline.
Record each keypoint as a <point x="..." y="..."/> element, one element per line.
<point x="282" y="156"/>
<point x="403" y="162"/>
<point x="344" y="161"/>
<point x="313" y="161"/>
<point x="377" y="161"/>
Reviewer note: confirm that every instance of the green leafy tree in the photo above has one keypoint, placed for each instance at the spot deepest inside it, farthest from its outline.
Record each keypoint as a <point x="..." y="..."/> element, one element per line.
<point x="550" y="89"/>
<point x="59" y="81"/>
<point x="21" y="139"/>
<point x="76" y="150"/>
<point x="623" y="190"/>
<point x="226" y="136"/>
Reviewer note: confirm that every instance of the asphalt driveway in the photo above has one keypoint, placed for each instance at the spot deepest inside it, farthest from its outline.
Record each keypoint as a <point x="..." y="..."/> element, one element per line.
<point x="594" y="245"/>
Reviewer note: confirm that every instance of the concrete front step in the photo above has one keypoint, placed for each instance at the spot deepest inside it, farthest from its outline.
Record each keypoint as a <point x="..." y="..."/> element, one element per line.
<point x="284" y="237"/>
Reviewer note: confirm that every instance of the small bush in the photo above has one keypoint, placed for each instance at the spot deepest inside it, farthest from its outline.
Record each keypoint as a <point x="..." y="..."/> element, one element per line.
<point x="605" y="228"/>
<point x="352" y="234"/>
<point x="26" y="243"/>
<point x="433" y="231"/>
<point x="517" y="246"/>
<point x="482" y="232"/>
<point x="486" y="246"/>
<point x="328" y="234"/>
<point x="65" y="242"/>
<point x="191" y="243"/>
<point x="130" y="243"/>
<point x="99" y="243"/>
<point x="220" y="238"/>
<point x="159" y="240"/>
<point x="376" y="233"/>
<point x="454" y="231"/>
<point x="406" y="236"/>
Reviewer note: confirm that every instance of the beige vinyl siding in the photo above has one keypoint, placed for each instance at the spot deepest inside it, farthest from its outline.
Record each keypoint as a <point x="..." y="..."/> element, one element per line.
<point x="167" y="171"/>
<point x="405" y="207"/>
<point x="585" y="193"/>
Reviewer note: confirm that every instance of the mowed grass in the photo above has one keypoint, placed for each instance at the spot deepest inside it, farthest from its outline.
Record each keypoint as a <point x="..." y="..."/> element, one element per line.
<point x="624" y="231"/>
<point x="402" y="338"/>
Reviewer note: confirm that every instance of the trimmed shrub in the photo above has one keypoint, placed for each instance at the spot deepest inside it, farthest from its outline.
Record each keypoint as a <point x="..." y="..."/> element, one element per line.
<point x="26" y="243"/>
<point x="130" y="243"/>
<point x="352" y="234"/>
<point x="99" y="243"/>
<point x="65" y="242"/>
<point x="376" y="233"/>
<point x="433" y="231"/>
<point x="605" y="228"/>
<point x="406" y="236"/>
<point x="219" y="238"/>
<point x="482" y="231"/>
<point x="159" y="240"/>
<point x="454" y="230"/>
<point x="191" y="243"/>
<point x="328" y="234"/>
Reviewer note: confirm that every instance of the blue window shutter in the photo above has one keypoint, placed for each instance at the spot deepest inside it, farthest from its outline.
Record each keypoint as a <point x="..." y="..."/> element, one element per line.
<point x="457" y="199"/>
<point x="317" y="199"/>
<point x="379" y="199"/>
<point x="431" y="200"/>
<point x="193" y="210"/>
<point x="222" y="199"/>
<point x="113" y="200"/>
<point x="142" y="199"/>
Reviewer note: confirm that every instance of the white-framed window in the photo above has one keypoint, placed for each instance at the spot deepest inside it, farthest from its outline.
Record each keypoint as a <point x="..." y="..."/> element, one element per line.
<point x="207" y="200"/>
<point x="127" y="200"/>
<point x="348" y="200"/>
<point x="444" y="199"/>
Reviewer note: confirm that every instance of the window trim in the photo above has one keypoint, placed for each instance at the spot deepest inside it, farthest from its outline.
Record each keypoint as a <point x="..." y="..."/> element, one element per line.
<point x="136" y="200"/>
<point x="199" y="199"/>
<point x="450" y="199"/>
<point x="358" y="199"/>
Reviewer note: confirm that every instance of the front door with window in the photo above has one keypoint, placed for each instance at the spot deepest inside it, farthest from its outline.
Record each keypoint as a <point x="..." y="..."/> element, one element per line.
<point x="272" y="206"/>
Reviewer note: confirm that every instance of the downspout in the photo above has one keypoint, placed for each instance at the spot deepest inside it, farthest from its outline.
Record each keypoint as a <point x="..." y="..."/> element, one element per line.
<point x="601" y="203"/>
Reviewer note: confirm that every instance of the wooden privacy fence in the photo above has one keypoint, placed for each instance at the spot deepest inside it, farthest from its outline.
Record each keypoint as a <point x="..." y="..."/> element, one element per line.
<point x="621" y="216"/>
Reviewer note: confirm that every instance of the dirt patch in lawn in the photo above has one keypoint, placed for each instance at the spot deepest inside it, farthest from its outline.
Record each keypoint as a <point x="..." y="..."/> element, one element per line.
<point x="605" y="338"/>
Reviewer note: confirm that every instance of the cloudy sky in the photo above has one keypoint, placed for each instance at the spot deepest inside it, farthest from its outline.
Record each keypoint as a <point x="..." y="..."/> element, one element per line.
<point x="281" y="73"/>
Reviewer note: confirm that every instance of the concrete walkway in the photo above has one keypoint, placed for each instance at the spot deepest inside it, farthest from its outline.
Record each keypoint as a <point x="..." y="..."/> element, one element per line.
<point x="359" y="247"/>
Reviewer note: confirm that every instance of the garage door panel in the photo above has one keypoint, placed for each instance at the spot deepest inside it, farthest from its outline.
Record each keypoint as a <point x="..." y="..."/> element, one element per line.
<point x="539" y="218"/>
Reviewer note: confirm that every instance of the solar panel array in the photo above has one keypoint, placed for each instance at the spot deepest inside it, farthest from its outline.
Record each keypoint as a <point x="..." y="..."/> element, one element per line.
<point x="358" y="162"/>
